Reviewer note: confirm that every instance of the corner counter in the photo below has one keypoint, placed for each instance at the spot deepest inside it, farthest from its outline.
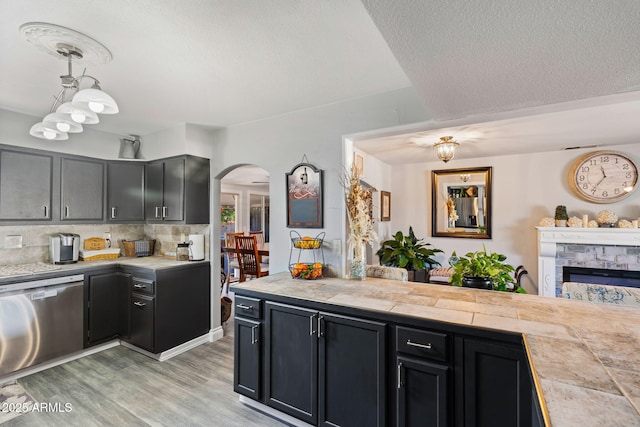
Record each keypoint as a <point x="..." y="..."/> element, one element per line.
<point x="585" y="356"/>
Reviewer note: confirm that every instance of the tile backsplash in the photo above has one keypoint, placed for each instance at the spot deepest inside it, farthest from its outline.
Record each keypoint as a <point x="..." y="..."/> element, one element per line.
<point x="35" y="238"/>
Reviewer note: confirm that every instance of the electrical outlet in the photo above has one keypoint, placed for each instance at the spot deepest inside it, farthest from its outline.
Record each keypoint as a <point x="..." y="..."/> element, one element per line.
<point x="12" y="242"/>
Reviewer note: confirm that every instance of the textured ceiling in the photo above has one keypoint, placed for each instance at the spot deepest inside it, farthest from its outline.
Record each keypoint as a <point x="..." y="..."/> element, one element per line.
<point x="486" y="56"/>
<point x="219" y="62"/>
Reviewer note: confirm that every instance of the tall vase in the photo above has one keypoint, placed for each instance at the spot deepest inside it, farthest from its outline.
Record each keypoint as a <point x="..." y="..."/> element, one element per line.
<point x="358" y="262"/>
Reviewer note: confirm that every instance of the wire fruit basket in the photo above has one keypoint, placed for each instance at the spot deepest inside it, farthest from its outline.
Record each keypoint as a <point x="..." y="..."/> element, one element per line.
<point x="306" y="258"/>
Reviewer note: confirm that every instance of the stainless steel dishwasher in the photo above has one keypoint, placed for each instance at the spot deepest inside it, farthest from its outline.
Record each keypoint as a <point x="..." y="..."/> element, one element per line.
<point x="39" y="321"/>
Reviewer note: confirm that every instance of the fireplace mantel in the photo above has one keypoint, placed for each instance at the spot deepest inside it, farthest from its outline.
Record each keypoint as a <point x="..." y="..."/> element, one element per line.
<point x="549" y="237"/>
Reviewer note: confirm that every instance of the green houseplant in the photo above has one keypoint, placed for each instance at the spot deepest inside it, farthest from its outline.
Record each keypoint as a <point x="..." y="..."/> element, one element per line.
<point x="407" y="252"/>
<point x="484" y="270"/>
<point x="561" y="216"/>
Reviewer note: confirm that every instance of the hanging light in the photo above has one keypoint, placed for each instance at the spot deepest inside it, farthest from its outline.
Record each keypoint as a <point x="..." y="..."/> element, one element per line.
<point x="78" y="114"/>
<point x="40" y="130"/>
<point x="446" y="148"/>
<point x="62" y="122"/>
<point x="96" y="100"/>
<point x="73" y="106"/>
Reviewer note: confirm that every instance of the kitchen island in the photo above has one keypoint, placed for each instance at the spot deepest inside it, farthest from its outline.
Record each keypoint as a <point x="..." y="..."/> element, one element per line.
<point x="584" y="357"/>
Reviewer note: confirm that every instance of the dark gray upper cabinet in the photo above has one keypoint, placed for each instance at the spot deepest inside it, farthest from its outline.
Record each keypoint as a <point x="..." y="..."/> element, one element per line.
<point x="125" y="191"/>
<point x="82" y="189"/>
<point x="25" y="186"/>
<point x="177" y="190"/>
<point x="38" y="186"/>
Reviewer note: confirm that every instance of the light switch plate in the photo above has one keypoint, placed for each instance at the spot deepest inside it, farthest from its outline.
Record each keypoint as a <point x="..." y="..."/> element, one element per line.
<point x="13" y="242"/>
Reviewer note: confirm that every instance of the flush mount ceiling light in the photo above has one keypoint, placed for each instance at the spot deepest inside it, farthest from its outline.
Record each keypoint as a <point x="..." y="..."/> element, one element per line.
<point x="446" y="148"/>
<point x="73" y="105"/>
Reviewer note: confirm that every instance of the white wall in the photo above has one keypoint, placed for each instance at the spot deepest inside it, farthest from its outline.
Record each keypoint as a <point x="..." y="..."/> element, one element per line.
<point x="278" y="143"/>
<point x="525" y="189"/>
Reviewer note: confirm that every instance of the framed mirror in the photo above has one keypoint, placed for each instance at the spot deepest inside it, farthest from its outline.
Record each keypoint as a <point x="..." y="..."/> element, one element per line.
<point x="461" y="203"/>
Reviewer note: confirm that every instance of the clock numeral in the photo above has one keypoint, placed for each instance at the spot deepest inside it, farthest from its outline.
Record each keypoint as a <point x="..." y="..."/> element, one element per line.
<point x="593" y="191"/>
<point x="617" y="160"/>
<point x="628" y="175"/>
<point x="584" y="169"/>
<point x="593" y="162"/>
<point x="582" y="178"/>
<point x="605" y="193"/>
<point x="604" y="159"/>
<point x="616" y="191"/>
<point x="625" y="167"/>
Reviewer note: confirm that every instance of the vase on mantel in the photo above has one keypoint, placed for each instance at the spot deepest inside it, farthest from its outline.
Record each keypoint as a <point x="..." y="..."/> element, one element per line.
<point x="358" y="261"/>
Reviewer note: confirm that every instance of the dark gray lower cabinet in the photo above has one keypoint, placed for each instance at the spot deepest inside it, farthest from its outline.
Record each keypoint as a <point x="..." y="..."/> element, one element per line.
<point x="330" y="369"/>
<point x="106" y="306"/>
<point x="248" y="360"/>
<point x="422" y="393"/>
<point x="497" y="387"/>
<point x="142" y="321"/>
<point x="323" y="368"/>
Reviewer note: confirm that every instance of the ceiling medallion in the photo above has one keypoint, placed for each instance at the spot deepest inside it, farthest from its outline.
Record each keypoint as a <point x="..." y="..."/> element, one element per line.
<point x="49" y="37"/>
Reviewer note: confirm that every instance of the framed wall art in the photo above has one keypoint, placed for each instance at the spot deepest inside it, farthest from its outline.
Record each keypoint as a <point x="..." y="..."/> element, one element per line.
<point x="385" y="206"/>
<point x="304" y="197"/>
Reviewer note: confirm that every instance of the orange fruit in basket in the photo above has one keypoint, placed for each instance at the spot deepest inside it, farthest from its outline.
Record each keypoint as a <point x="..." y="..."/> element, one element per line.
<point x="298" y="269"/>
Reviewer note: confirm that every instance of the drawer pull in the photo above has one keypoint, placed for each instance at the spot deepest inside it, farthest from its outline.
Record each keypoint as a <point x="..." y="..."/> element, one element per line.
<point x="400" y="376"/>
<point x="139" y="286"/>
<point x="415" y="344"/>
<point x="245" y="307"/>
<point x="139" y="304"/>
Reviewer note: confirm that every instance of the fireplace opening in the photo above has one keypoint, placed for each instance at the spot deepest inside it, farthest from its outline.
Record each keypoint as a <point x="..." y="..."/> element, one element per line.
<point x="601" y="276"/>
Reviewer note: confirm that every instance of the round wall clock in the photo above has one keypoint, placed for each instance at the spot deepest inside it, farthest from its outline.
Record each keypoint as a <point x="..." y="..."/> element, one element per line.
<point x="603" y="176"/>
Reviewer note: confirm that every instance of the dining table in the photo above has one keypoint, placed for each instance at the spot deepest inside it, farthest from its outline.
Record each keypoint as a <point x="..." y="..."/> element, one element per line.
<point x="263" y="249"/>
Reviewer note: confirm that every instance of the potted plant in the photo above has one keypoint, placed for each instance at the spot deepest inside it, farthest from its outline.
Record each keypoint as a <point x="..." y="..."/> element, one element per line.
<point x="408" y="252"/>
<point x="484" y="270"/>
<point x="561" y="216"/>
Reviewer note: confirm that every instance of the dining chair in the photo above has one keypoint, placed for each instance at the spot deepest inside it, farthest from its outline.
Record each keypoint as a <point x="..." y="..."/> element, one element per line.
<point x="260" y="240"/>
<point x="249" y="258"/>
<point x="232" y="258"/>
<point x="259" y="236"/>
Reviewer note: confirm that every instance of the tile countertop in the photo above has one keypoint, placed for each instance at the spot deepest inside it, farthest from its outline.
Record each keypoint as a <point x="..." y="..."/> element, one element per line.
<point x="586" y="355"/>
<point x="49" y="270"/>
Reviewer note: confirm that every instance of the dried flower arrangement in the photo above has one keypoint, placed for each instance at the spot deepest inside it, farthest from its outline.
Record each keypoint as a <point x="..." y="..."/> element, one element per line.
<point x="361" y="232"/>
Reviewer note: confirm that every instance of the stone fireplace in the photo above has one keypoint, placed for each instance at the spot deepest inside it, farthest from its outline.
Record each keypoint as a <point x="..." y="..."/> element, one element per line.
<point x="598" y="248"/>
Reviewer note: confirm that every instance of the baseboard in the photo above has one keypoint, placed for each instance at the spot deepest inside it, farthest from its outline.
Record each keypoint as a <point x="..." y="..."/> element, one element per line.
<point x="273" y="412"/>
<point x="216" y="333"/>
<point x="58" y="361"/>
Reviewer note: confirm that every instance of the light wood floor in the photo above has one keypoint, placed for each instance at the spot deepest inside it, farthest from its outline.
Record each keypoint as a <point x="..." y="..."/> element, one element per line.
<point x="119" y="387"/>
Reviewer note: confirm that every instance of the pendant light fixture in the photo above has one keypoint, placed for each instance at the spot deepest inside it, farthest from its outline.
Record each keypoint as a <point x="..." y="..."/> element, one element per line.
<point x="73" y="106"/>
<point x="446" y="148"/>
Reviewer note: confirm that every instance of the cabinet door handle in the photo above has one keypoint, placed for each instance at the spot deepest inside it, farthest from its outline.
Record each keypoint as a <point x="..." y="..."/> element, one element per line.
<point x="311" y="322"/>
<point x="165" y="212"/>
<point x="157" y="211"/>
<point x="139" y="286"/>
<point x="400" y="375"/>
<point x="320" y="324"/>
<point x="139" y="304"/>
<point x="113" y="212"/>
<point x="254" y="336"/>
<point x="66" y="211"/>
<point x="46" y="211"/>
<point x="244" y="307"/>
<point x="415" y="344"/>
